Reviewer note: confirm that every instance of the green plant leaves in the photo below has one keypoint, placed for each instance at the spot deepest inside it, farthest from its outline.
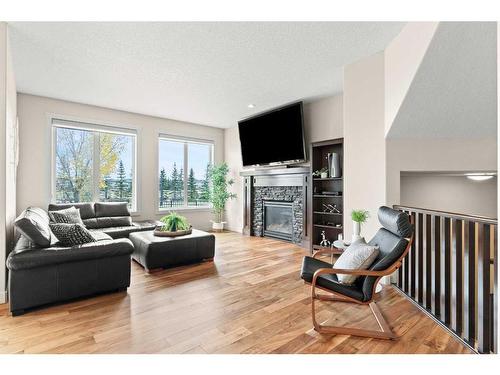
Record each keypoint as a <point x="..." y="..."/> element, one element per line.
<point x="173" y="222"/>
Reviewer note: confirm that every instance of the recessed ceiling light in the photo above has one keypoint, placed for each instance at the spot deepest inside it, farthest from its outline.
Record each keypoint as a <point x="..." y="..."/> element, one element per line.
<point x="479" y="176"/>
<point x="251" y="105"/>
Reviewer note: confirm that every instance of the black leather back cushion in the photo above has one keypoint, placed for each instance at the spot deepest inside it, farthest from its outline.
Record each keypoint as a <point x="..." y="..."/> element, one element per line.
<point x="396" y="222"/>
<point x="391" y="247"/>
<point x="33" y="223"/>
<point x="111" y="209"/>
<point x="86" y="209"/>
<point x="116" y="221"/>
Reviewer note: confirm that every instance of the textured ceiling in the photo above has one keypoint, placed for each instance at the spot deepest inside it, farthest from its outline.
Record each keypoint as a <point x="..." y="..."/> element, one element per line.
<point x="205" y="73"/>
<point x="454" y="92"/>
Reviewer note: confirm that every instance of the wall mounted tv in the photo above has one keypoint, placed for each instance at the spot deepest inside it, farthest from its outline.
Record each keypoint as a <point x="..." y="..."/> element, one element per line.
<point x="274" y="137"/>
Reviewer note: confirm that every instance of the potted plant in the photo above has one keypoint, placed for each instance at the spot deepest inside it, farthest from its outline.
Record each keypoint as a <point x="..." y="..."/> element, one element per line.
<point x="322" y="173"/>
<point x="219" y="194"/>
<point x="173" y="225"/>
<point x="358" y="217"/>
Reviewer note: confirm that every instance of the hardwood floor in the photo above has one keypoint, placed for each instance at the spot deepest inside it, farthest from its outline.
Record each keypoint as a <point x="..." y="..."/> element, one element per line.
<point x="250" y="300"/>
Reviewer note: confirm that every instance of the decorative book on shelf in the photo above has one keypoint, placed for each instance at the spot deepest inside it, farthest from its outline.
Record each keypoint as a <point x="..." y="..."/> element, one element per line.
<point x="326" y="203"/>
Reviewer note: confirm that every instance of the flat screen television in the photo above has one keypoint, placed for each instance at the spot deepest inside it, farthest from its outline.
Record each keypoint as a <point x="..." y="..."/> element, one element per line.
<point x="274" y="137"/>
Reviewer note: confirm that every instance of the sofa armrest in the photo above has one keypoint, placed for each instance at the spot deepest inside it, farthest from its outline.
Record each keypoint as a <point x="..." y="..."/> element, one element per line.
<point x="33" y="258"/>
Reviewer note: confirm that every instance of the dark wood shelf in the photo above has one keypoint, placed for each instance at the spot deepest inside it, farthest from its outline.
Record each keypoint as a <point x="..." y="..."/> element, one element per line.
<point x="327" y="226"/>
<point x="326" y="213"/>
<point x="316" y="216"/>
<point x="328" y="179"/>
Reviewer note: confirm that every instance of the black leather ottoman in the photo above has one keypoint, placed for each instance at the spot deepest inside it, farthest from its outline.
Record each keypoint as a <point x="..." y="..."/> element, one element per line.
<point x="162" y="252"/>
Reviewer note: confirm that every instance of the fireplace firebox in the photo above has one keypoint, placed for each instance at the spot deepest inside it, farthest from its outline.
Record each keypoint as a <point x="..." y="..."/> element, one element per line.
<point x="278" y="219"/>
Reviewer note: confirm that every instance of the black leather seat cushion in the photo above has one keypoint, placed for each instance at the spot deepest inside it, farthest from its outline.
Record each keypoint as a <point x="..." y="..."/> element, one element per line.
<point x="100" y="236"/>
<point x="329" y="281"/>
<point x="124" y="231"/>
<point x="26" y="258"/>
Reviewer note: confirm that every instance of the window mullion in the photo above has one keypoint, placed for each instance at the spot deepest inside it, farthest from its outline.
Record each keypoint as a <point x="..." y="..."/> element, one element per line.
<point x="96" y="175"/>
<point x="186" y="166"/>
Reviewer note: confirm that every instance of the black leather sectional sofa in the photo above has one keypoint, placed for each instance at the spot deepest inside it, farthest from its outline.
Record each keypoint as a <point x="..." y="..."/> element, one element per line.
<point x="41" y="271"/>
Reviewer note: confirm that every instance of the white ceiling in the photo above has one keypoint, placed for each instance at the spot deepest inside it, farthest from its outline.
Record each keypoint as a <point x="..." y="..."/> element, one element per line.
<point x="204" y="73"/>
<point x="454" y="92"/>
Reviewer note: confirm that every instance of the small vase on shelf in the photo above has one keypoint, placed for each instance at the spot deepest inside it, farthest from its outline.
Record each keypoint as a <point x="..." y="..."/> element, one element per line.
<point x="356" y="231"/>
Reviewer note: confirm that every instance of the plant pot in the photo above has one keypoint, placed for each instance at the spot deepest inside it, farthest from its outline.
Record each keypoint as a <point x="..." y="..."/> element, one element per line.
<point x="356" y="231"/>
<point x="324" y="175"/>
<point x="218" y="226"/>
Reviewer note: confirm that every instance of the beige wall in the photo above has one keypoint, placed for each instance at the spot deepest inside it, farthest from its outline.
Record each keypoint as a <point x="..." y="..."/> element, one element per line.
<point x="450" y="193"/>
<point x="436" y="155"/>
<point x="402" y="60"/>
<point x="323" y="120"/>
<point x="364" y="142"/>
<point x="7" y="153"/>
<point x="35" y="145"/>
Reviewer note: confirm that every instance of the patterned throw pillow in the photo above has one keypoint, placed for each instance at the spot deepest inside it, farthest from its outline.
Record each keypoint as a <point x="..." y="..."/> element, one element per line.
<point x="69" y="215"/>
<point x="358" y="256"/>
<point x="71" y="234"/>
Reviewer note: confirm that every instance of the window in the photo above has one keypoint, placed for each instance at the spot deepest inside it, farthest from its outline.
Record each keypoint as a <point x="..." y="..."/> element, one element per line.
<point x="183" y="173"/>
<point x="93" y="163"/>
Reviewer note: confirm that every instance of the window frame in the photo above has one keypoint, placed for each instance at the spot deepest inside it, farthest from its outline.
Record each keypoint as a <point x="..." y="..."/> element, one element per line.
<point x="64" y="122"/>
<point x="186" y="141"/>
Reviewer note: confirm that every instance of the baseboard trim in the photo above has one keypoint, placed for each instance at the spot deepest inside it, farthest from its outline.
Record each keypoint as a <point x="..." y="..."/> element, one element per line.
<point x="3" y="296"/>
<point x="232" y="229"/>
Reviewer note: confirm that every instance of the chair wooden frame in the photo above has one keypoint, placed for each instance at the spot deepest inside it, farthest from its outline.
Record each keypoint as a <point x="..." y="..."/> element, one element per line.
<point x="385" y="331"/>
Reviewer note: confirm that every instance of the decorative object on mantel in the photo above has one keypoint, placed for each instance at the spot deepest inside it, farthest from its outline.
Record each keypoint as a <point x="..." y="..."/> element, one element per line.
<point x="333" y="159"/>
<point x="331" y="208"/>
<point x="324" y="242"/>
<point x="174" y="225"/>
<point x="321" y="173"/>
<point x="358" y="217"/>
<point x="219" y="194"/>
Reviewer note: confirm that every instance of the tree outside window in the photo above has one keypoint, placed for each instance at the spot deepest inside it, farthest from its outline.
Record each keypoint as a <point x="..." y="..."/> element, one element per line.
<point x="183" y="173"/>
<point x="80" y="153"/>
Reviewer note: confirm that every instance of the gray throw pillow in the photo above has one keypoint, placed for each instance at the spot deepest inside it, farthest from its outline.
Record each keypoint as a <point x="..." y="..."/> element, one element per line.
<point x="33" y="223"/>
<point x="71" y="234"/>
<point x="358" y="256"/>
<point x="69" y="215"/>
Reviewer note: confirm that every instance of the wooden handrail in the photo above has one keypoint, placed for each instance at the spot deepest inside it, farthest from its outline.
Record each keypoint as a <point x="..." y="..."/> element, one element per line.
<point x="451" y="215"/>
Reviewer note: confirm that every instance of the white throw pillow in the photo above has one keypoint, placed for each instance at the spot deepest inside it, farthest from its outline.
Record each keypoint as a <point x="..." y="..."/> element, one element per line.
<point x="358" y="256"/>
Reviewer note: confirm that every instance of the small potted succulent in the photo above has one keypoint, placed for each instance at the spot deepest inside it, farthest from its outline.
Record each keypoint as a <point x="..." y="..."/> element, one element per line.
<point x="173" y="225"/>
<point x="358" y="217"/>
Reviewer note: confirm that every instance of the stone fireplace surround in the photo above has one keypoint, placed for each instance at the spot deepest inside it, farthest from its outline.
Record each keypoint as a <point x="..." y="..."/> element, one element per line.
<point x="284" y="184"/>
<point x="283" y="194"/>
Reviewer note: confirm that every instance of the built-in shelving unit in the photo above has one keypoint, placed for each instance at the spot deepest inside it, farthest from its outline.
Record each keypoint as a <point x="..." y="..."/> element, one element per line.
<point x="319" y="220"/>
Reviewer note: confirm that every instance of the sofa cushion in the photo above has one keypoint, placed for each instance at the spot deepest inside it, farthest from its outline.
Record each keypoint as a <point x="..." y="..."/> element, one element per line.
<point x="113" y="221"/>
<point x="118" y="232"/>
<point x="18" y="259"/>
<point x="34" y="224"/>
<point x="69" y="215"/>
<point x="100" y="236"/>
<point x="106" y="209"/>
<point x="71" y="234"/>
<point x="86" y="209"/>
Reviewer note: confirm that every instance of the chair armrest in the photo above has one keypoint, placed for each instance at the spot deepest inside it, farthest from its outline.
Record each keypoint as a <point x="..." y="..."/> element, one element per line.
<point x="323" y="271"/>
